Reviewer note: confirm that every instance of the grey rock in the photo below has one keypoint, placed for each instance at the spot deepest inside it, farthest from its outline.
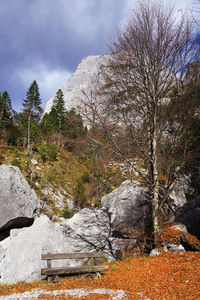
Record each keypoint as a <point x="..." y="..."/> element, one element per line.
<point x="18" y="202"/>
<point x="180" y="189"/>
<point x="23" y="252"/>
<point x="34" y="162"/>
<point x="155" y="252"/>
<point x="180" y="227"/>
<point x="89" y="228"/>
<point x="82" y="79"/>
<point x="2" y="255"/>
<point x="129" y="207"/>
<point x="175" y="248"/>
<point x="189" y="215"/>
<point x="87" y="231"/>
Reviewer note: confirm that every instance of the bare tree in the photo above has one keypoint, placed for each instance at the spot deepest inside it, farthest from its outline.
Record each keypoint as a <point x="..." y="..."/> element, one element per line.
<point x="146" y="68"/>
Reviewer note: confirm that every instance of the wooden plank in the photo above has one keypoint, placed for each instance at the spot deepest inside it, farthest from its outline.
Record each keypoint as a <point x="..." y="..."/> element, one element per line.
<point x="75" y="255"/>
<point x="74" y="270"/>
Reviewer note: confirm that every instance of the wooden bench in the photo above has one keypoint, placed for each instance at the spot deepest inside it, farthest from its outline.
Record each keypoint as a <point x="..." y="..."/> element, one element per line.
<point x="52" y="273"/>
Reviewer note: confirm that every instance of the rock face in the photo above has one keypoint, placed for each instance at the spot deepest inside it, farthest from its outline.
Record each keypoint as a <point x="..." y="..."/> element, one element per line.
<point x="90" y="228"/>
<point x="189" y="215"/>
<point x="129" y="207"/>
<point x="18" y="202"/>
<point x="86" y="231"/>
<point x="82" y="79"/>
<point x="27" y="246"/>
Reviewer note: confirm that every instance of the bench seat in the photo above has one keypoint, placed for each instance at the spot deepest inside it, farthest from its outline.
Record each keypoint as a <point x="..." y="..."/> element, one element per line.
<point x="74" y="270"/>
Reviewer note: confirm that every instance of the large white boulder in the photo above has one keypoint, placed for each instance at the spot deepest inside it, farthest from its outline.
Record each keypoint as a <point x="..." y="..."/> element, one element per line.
<point x="88" y="230"/>
<point x="129" y="207"/>
<point x="22" y="257"/>
<point x="18" y="202"/>
<point x="21" y="252"/>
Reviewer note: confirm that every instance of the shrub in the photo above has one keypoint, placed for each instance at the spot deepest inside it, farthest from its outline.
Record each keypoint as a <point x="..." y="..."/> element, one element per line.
<point x="67" y="213"/>
<point x="80" y="197"/>
<point x="43" y="151"/>
<point x="52" y="152"/>
<point x="86" y="177"/>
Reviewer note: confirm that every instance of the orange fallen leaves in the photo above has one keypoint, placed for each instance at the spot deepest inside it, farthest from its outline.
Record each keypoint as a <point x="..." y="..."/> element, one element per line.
<point x="168" y="276"/>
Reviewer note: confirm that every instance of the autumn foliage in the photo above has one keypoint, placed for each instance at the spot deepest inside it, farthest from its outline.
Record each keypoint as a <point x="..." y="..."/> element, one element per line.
<point x="167" y="276"/>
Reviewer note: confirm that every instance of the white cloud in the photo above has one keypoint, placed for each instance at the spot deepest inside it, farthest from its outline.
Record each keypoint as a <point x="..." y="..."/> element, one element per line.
<point x="49" y="80"/>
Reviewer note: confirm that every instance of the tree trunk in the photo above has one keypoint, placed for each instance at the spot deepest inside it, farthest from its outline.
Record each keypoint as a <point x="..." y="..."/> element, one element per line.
<point x="29" y="125"/>
<point x="153" y="162"/>
<point x="155" y="182"/>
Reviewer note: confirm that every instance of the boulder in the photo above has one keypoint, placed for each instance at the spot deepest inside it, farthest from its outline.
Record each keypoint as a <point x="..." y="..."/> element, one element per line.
<point x="27" y="246"/>
<point x="155" y="252"/>
<point x="129" y="207"/>
<point x="189" y="215"/>
<point x="179" y="227"/>
<point x="174" y="248"/>
<point x="2" y="255"/>
<point x="87" y="231"/>
<point x="18" y="202"/>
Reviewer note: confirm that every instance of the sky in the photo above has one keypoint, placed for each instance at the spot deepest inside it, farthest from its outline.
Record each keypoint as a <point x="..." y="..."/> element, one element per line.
<point x="45" y="40"/>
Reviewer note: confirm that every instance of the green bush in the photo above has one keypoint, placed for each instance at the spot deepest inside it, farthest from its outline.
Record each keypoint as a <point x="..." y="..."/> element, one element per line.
<point x="67" y="213"/>
<point x="86" y="177"/>
<point x="80" y="197"/>
<point x="52" y="152"/>
<point x="43" y="151"/>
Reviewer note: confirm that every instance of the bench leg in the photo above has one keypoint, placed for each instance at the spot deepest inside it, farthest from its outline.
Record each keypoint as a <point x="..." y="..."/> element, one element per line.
<point x="49" y="279"/>
<point x="52" y="278"/>
<point x="55" y="278"/>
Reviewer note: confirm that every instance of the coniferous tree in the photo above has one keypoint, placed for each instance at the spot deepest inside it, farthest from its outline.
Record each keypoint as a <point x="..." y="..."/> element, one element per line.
<point x="8" y="129"/>
<point x="58" y="112"/>
<point x="5" y="109"/>
<point x="32" y="107"/>
<point x="48" y="123"/>
<point x="58" y="108"/>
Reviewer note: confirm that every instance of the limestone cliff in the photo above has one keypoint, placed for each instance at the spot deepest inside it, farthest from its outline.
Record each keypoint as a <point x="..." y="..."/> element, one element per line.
<point x="82" y="79"/>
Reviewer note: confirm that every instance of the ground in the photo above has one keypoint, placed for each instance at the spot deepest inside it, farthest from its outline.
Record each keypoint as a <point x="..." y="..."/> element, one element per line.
<point x="167" y="276"/>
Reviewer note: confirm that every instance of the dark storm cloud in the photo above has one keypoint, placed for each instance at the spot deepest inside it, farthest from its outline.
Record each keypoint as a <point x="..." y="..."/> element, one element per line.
<point x="46" y="40"/>
<point x="42" y="38"/>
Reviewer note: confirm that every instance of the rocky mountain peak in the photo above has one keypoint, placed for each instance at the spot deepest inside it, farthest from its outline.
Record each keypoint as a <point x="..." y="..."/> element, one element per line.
<point x="82" y="79"/>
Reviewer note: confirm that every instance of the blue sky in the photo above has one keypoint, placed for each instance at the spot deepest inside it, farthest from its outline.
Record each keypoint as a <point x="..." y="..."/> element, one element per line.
<point x="45" y="40"/>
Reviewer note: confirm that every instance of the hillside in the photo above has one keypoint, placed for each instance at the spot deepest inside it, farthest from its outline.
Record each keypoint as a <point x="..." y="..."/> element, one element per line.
<point x="67" y="184"/>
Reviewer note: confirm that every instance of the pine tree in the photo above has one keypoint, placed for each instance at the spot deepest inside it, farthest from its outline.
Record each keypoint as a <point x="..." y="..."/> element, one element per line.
<point x="58" y="108"/>
<point x="5" y="110"/>
<point x="8" y="128"/>
<point x="32" y="107"/>
<point x="58" y="112"/>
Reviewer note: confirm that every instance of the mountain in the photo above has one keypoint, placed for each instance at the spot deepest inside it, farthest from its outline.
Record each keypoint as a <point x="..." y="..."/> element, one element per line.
<point x="82" y="79"/>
